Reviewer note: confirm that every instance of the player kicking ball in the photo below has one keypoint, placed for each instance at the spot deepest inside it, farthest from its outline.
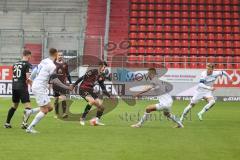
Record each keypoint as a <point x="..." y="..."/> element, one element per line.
<point x="41" y="76"/>
<point x="165" y="100"/>
<point x="86" y="91"/>
<point x="205" y="91"/>
<point x="21" y="72"/>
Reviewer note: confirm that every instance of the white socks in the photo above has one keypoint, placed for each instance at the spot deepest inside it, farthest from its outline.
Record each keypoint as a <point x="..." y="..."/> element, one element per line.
<point x="37" y="118"/>
<point x="207" y="106"/>
<point x="173" y="118"/>
<point x="185" y="112"/>
<point x="144" y="118"/>
<point x="35" y="110"/>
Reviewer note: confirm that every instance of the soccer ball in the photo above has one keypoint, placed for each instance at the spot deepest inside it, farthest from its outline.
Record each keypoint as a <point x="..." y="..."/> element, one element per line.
<point x="93" y="122"/>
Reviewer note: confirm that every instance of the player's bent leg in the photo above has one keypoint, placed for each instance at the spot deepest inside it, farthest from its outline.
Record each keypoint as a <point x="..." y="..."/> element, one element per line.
<point x="145" y="116"/>
<point x="100" y="110"/>
<point x="10" y="114"/>
<point x="64" y="109"/>
<point x="56" y="106"/>
<point x="211" y="103"/>
<point x="186" y="111"/>
<point x="169" y="115"/>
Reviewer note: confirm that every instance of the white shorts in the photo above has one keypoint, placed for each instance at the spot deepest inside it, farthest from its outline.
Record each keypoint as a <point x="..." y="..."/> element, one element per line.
<point x="41" y="96"/>
<point x="165" y="103"/>
<point x="200" y="95"/>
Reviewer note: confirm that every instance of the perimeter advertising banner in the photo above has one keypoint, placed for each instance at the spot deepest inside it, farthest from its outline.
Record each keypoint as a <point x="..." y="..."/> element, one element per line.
<point x="181" y="83"/>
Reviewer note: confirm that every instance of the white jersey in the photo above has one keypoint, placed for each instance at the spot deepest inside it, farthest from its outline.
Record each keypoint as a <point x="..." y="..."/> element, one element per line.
<point x="207" y="81"/>
<point x="44" y="70"/>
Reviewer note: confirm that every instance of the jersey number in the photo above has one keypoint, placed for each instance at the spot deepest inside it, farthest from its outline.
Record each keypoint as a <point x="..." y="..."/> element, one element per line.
<point x="17" y="71"/>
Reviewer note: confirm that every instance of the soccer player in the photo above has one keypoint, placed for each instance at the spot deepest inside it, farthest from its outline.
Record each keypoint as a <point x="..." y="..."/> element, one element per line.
<point x="205" y="90"/>
<point x="63" y="75"/>
<point x="165" y="100"/>
<point x="86" y="91"/>
<point x="21" y="72"/>
<point x="41" y="76"/>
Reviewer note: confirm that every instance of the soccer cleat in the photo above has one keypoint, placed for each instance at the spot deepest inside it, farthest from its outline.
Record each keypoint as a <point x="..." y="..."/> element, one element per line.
<point x="98" y="123"/>
<point x="64" y="115"/>
<point x="24" y="125"/>
<point x="31" y="131"/>
<point x="82" y="121"/>
<point x="26" y="115"/>
<point x="200" y="116"/>
<point x="180" y="125"/>
<point x="7" y="125"/>
<point x="56" y="117"/>
<point x="136" y="125"/>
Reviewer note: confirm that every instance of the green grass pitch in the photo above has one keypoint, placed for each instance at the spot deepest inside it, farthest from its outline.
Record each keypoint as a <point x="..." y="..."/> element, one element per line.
<point x="215" y="138"/>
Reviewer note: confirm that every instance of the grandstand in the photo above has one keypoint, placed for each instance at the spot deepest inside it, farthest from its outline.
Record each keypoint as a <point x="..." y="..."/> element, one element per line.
<point x="174" y="33"/>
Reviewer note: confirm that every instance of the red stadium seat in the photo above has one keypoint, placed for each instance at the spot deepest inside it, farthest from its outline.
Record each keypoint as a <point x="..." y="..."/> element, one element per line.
<point x="201" y="7"/>
<point x="220" y="66"/>
<point x="185" y="43"/>
<point x="228" y="51"/>
<point x="218" y="15"/>
<point x="132" y="35"/>
<point x="219" y="36"/>
<point x="141" y="50"/>
<point x="202" y="36"/>
<point x="236" y="44"/>
<point x="150" y="43"/>
<point x="193" y="14"/>
<point x="235" y="8"/>
<point x="142" y="28"/>
<point x="209" y="7"/>
<point x="176" y="43"/>
<point x="168" y="43"/>
<point x="159" y="36"/>
<point x="184" y="21"/>
<point x="236" y="30"/>
<point x="150" y="21"/>
<point x="133" y="43"/>
<point x="227" y="29"/>
<point x="159" y="7"/>
<point x="141" y="43"/>
<point x="159" y="50"/>
<point x="142" y="21"/>
<point x="228" y="37"/>
<point x="226" y="15"/>
<point x="193" y="7"/>
<point x="134" y="6"/>
<point x="202" y="59"/>
<point x="201" y="15"/>
<point x="202" y="43"/>
<point x="211" y="29"/>
<point x="184" y="14"/>
<point x="141" y="35"/>
<point x="159" y="43"/>
<point x="218" y="1"/>
<point x="150" y="7"/>
<point x="219" y="22"/>
<point x="150" y="35"/>
<point x="193" y="21"/>
<point x="236" y="37"/>
<point x="211" y="44"/>
<point x="167" y="28"/>
<point x="211" y="36"/>
<point x="235" y="15"/>
<point x="159" y="28"/>
<point x="168" y="36"/>
<point x="184" y="29"/>
<point x="237" y="51"/>
<point x="201" y="29"/>
<point x="228" y="44"/>
<point x="142" y="14"/>
<point x="167" y="21"/>
<point x="219" y="29"/>
<point x="185" y="50"/>
<point x="150" y="28"/>
<point x="133" y="27"/>
<point x="167" y="14"/>
<point x="159" y="14"/>
<point x="219" y="44"/>
<point x="210" y="22"/>
<point x="133" y="21"/>
<point x="193" y="43"/>
<point x="132" y="58"/>
<point x="133" y="50"/>
<point x="176" y="51"/>
<point x="202" y="51"/>
<point x="218" y="8"/>
<point x="235" y="22"/>
<point x="150" y="14"/>
<point x="176" y="36"/>
<point x="159" y="58"/>
<point x="210" y="59"/>
<point x="150" y="58"/>
<point x="143" y="7"/>
<point x="159" y="21"/>
<point x="176" y="14"/>
<point x="185" y="7"/>
<point x="134" y="14"/>
<point x="150" y="50"/>
<point x="211" y="51"/>
<point x="176" y="7"/>
<point x="167" y="50"/>
<point x="226" y="22"/>
<point x="193" y="51"/>
<point x="220" y="51"/>
<point x="176" y="29"/>
<point x="201" y="65"/>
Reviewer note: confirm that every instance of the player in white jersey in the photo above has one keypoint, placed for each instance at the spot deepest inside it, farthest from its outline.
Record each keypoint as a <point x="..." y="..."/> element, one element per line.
<point x="205" y="90"/>
<point x="165" y="100"/>
<point x="41" y="76"/>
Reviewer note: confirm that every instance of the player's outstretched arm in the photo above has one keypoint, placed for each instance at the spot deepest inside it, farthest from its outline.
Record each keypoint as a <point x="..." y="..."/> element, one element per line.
<point x="54" y="80"/>
<point x="148" y="88"/>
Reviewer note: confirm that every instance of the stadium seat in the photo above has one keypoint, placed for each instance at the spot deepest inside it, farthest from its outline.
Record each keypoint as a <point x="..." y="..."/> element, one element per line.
<point x="219" y="36"/>
<point x="228" y="51"/>
<point x="219" y="22"/>
<point x="159" y="28"/>
<point x="141" y="35"/>
<point x="159" y="50"/>
<point x="159" y="14"/>
<point x="236" y="44"/>
<point x="236" y="30"/>
<point x="159" y="36"/>
<point x="176" y="29"/>
<point x="202" y="50"/>
<point x="143" y="7"/>
<point x="176" y="51"/>
<point x="159" y="21"/>
<point x="150" y="43"/>
<point x="141" y="50"/>
<point x="150" y="50"/>
<point x="168" y="36"/>
<point x="133" y="28"/>
<point x="185" y="50"/>
<point x="150" y="35"/>
<point x="142" y="21"/>
<point x="202" y="36"/>
<point x="133" y="21"/>
<point x="202" y="43"/>
<point x="218" y="15"/>
<point x="193" y="43"/>
<point x="167" y="28"/>
<point x="176" y="7"/>
<point x="226" y="22"/>
<point x="150" y="14"/>
<point x="193" y="14"/>
<point x="220" y="51"/>
<point x="141" y="43"/>
<point x="211" y="51"/>
<point x="211" y="36"/>
<point x="219" y="29"/>
<point x="132" y="58"/>
<point x="133" y="43"/>
<point x="167" y="21"/>
<point x="193" y="7"/>
<point x="235" y="22"/>
<point x="159" y="58"/>
<point x="150" y="28"/>
<point x="228" y="44"/>
<point x="150" y="7"/>
<point x="134" y="7"/>
<point x="150" y="21"/>
<point x="219" y="44"/>
<point x="184" y="29"/>
<point x="211" y="59"/>
<point x="159" y="43"/>
<point x="142" y="28"/>
<point x="193" y="51"/>
<point x="185" y="43"/>
<point x="211" y="44"/>
<point x="193" y="36"/>
<point x="132" y="50"/>
<point x="142" y="14"/>
<point x="176" y="36"/>
<point x="176" y="43"/>
<point x="132" y="35"/>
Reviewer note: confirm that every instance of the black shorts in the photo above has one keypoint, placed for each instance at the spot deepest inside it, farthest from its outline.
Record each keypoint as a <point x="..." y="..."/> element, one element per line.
<point x="20" y="94"/>
<point x="87" y="92"/>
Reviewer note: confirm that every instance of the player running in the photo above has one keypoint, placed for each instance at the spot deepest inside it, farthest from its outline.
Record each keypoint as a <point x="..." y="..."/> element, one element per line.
<point x="165" y="100"/>
<point x="21" y="72"/>
<point x="86" y="91"/>
<point x="63" y="75"/>
<point x="205" y="90"/>
<point x="41" y="76"/>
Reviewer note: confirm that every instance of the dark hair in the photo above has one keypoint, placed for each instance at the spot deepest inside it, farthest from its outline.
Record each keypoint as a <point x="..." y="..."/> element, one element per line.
<point x="26" y="53"/>
<point x="153" y="70"/>
<point x="102" y="63"/>
<point x="52" y="51"/>
<point x="211" y="65"/>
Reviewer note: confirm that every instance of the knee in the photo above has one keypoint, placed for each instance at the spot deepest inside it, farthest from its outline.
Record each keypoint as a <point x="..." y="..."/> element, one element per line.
<point x="167" y="114"/>
<point x="148" y="110"/>
<point x="50" y="109"/>
<point x="212" y="102"/>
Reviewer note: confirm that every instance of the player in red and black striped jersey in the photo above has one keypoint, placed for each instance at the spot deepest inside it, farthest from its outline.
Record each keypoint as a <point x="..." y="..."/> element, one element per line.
<point x="21" y="72"/>
<point x="86" y="90"/>
<point x="63" y="75"/>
